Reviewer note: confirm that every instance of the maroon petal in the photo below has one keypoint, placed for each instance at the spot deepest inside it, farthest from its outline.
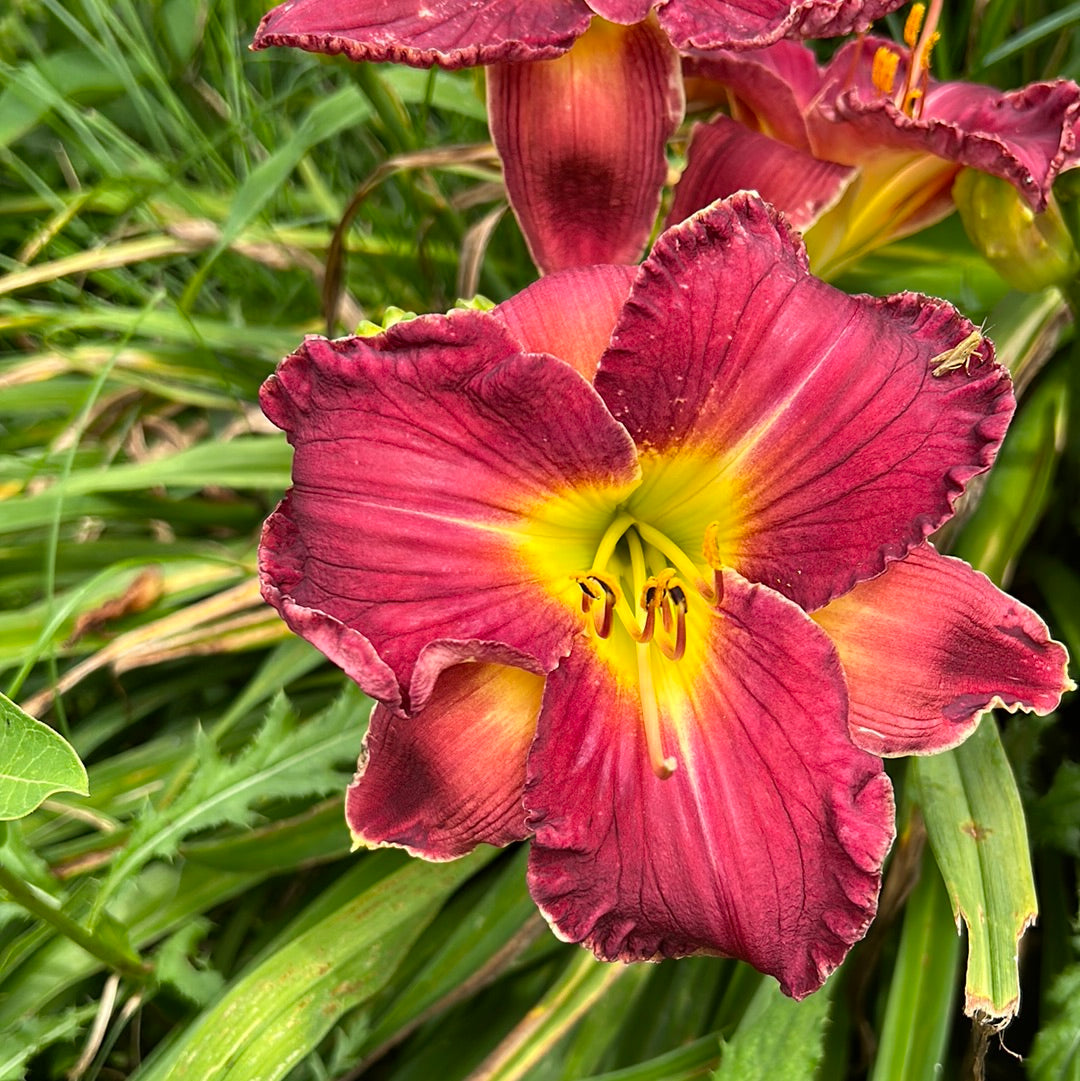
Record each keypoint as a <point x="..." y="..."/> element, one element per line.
<point x="724" y="157"/>
<point x="582" y="141"/>
<point x="450" y="33"/>
<point x="570" y="314"/>
<point x="747" y="24"/>
<point x="765" y="843"/>
<point x="1024" y="136"/>
<point x="931" y="644"/>
<point x="623" y="11"/>
<point x="443" y="781"/>
<point x="769" y="89"/>
<point x="826" y="433"/>
<point x="422" y="458"/>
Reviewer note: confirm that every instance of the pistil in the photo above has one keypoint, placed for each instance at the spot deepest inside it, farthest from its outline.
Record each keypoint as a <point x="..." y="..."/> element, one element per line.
<point x="662" y="766"/>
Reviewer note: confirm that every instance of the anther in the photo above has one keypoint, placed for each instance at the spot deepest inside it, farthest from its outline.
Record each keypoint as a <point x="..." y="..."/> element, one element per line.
<point x="650" y="599"/>
<point x="677" y="595"/>
<point x="883" y="70"/>
<point x="914" y="24"/>
<point x="596" y="587"/>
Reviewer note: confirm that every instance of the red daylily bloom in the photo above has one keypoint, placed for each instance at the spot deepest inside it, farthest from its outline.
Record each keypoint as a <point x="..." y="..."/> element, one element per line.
<point x="581" y="131"/>
<point x="635" y="565"/>
<point x="853" y="148"/>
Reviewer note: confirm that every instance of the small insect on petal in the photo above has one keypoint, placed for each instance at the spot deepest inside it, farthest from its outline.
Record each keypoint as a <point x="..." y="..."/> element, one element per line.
<point x="959" y="355"/>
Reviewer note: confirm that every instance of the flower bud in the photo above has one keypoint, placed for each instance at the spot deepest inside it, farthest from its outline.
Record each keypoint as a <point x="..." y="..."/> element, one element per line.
<point x="1030" y="251"/>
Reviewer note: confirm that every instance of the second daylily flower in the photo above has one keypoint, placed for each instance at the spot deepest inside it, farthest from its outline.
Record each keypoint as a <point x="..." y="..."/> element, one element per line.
<point x="866" y="149"/>
<point x="635" y="565"/>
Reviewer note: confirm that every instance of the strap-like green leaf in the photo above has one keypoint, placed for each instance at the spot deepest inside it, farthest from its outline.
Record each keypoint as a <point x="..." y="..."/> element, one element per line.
<point x="976" y="827"/>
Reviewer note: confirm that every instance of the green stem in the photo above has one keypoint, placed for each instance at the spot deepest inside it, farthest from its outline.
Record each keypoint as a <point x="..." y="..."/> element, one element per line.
<point x="44" y="908"/>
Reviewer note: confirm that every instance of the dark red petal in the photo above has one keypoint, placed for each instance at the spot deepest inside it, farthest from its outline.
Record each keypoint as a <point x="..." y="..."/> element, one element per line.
<point x="450" y="33"/>
<point x="1025" y="136"/>
<point x="570" y="314"/>
<point x="623" y="11"/>
<point x="443" y="781"/>
<point x="422" y="456"/>
<point x="824" y="444"/>
<point x="766" y="842"/>
<point x="724" y="157"/>
<point x="725" y="24"/>
<point x="931" y="644"/>
<point x="582" y="141"/>
<point x="769" y="89"/>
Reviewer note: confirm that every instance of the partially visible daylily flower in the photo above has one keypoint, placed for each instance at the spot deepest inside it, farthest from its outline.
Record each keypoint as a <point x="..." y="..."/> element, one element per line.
<point x="865" y="150"/>
<point x="582" y="128"/>
<point x="636" y="566"/>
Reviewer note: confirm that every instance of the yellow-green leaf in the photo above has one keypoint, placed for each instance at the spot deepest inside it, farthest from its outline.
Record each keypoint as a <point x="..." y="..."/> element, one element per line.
<point x="976" y="828"/>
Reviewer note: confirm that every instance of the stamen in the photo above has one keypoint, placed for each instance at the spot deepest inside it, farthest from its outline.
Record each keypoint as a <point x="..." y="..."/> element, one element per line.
<point x="918" y="75"/>
<point x="663" y="767"/>
<point x="883" y="71"/>
<point x="913" y="24"/>
<point x="678" y="599"/>
<point x="677" y="558"/>
<point x="597" y="586"/>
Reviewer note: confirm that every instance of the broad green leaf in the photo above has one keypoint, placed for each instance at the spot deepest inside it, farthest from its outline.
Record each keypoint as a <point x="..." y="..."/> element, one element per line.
<point x="35" y="762"/>
<point x="269" y="1019"/>
<point x="918" y="1013"/>
<point x="778" y="1039"/>
<point x="975" y="823"/>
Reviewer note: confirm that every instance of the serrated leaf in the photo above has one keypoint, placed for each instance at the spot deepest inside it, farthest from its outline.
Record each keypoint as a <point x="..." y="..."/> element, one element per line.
<point x="20" y="1043"/>
<point x="35" y="762"/>
<point x="1055" y="1055"/>
<point x="282" y="760"/>
<point x="975" y="823"/>
<point x="1056" y="818"/>
<point x="173" y="964"/>
<point x="778" y="1039"/>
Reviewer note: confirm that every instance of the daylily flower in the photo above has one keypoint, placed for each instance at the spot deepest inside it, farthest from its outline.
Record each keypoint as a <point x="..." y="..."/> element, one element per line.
<point x="865" y="150"/>
<point x="581" y="131"/>
<point x="635" y="565"/>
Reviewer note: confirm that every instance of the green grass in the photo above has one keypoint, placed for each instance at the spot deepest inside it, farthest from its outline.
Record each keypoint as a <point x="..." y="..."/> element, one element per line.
<point x="168" y="206"/>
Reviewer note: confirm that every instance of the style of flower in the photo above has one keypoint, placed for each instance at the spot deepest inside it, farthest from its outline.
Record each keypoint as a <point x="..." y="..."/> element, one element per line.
<point x="866" y="149"/>
<point x="582" y="129"/>
<point x="636" y="566"/>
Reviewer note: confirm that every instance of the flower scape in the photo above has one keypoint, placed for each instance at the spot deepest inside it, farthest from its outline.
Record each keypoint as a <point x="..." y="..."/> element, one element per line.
<point x="636" y="566"/>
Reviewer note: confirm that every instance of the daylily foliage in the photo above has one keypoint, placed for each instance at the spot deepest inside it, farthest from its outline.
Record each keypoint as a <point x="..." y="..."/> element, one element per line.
<point x="636" y="566"/>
